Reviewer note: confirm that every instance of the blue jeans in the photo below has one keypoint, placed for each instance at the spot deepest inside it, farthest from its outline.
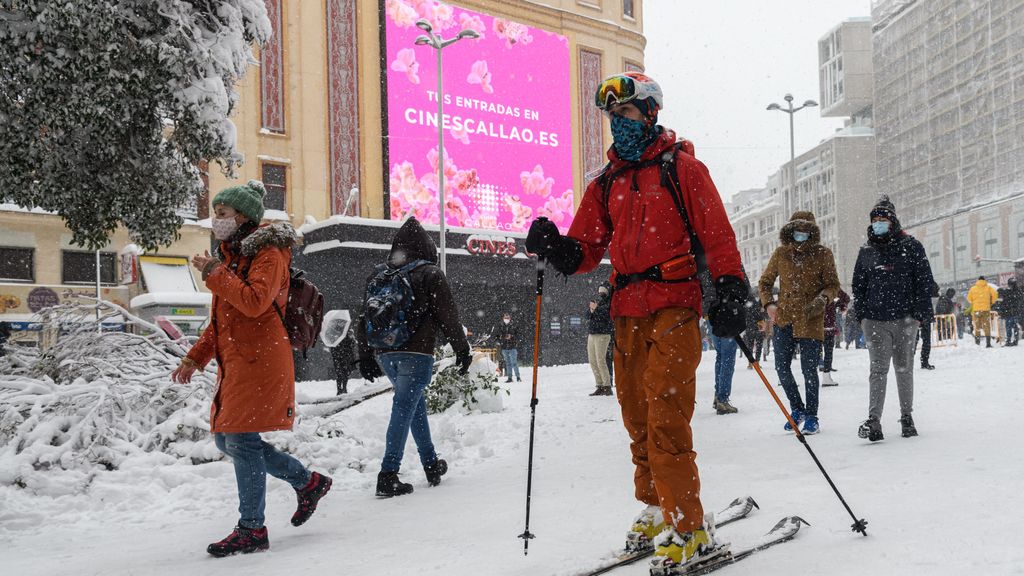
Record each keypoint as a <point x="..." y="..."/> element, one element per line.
<point x="410" y="373"/>
<point x="810" y="352"/>
<point x="725" y="366"/>
<point x="511" y="357"/>
<point x="254" y="459"/>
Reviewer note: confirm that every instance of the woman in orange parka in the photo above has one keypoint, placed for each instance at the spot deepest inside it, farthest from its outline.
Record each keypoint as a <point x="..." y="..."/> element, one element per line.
<point x="255" y="371"/>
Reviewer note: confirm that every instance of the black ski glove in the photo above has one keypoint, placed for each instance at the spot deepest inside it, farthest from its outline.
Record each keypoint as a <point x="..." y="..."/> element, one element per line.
<point x="727" y="315"/>
<point x="544" y="240"/>
<point x="463" y="359"/>
<point x="369" y="368"/>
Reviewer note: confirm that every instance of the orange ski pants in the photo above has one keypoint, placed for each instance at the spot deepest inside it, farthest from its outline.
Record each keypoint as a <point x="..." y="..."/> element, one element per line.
<point x="656" y="360"/>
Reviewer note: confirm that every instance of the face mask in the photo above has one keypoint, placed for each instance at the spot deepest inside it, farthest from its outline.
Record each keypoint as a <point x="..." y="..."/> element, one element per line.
<point x="223" y="228"/>
<point x="801" y="236"/>
<point x="631" y="137"/>
<point x="506" y="321"/>
<point x="880" y="228"/>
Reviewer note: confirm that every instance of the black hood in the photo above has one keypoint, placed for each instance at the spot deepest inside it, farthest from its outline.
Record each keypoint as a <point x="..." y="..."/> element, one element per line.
<point x="412" y="243"/>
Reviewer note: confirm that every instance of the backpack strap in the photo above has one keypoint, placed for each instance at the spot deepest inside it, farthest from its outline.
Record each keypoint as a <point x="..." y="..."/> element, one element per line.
<point x="670" y="180"/>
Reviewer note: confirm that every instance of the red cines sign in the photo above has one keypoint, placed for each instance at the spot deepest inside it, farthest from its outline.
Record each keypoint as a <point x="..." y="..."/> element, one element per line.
<point x="479" y="244"/>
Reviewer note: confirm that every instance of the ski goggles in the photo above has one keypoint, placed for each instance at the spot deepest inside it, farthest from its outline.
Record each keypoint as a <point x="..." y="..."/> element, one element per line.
<point x="615" y="90"/>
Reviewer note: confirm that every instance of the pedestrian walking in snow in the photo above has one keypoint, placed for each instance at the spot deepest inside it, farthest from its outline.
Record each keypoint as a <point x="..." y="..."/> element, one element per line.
<point x="945" y="307"/>
<point x="343" y="356"/>
<point x="396" y="334"/>
<point x="982" y="297"/>
<point x="753" y="335"/>
<point x="5" y="335"/>
<point x="599" y="335"/>
<point x="1013" y="306"/>
<point x="925" y="334"/>
<point x="892" y="285"/>
<point x="508" y="340"/>
<point x="652" y="183"/>
<point x="833" y="311"/>
<point x="806" y="272"/>
<point x="249" y="279"/>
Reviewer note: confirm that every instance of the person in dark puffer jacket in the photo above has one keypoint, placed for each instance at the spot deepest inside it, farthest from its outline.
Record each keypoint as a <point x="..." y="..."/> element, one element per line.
<point x="410" y="366"/>
<point x="892" y="285"/>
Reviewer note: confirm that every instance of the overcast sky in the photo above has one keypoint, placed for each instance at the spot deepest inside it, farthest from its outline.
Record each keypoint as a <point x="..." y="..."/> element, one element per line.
<point x="722" y="62"/>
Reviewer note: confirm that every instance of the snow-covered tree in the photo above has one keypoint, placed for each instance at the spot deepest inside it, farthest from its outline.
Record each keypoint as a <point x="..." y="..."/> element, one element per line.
<point x="107" y="106"/>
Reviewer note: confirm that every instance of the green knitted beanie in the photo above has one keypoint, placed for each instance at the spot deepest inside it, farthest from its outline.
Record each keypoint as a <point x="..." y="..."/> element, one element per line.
<point x="247" y="199"/>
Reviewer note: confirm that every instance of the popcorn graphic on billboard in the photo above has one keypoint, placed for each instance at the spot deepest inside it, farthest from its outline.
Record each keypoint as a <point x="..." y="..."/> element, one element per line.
<point x="507" y="120"/>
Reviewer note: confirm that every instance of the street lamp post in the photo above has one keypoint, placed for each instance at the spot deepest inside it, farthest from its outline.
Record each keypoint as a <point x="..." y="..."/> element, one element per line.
<point x="792" y="152"/>
<point x="438" y="43"/>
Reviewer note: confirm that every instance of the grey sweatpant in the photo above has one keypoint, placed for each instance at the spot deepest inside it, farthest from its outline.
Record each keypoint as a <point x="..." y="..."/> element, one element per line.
<point x="891" y="340"/>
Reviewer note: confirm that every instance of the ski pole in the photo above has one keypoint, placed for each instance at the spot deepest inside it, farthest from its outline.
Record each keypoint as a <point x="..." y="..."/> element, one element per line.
<point x="859" y="525"/>
<point x="526" y="535"/>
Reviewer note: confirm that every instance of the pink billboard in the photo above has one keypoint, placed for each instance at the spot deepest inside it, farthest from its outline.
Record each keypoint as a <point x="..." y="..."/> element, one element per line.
<point x="507" y="120"/>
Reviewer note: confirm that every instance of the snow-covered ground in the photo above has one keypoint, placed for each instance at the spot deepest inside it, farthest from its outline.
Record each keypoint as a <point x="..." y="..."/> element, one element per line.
<point x="946" y="502"/>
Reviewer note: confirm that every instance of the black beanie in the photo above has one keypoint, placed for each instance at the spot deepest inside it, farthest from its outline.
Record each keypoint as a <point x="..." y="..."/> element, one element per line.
<point x="884" y="208"/>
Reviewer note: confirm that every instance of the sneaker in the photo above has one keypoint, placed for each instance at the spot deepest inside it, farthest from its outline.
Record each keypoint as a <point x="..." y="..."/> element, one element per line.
<point x="602" y="391"/>
<point x="435" y="471"/>
<point x="798" y="417"/>
<point x="725" y="407"/>
<point x="241" y="541"/>
<point x="675" y="552"/>
<point x="318" y="487"/>
<point x="871" y="429"/>
<point x="646" y="526"/>
<point x="907" y="423"/>
<point x="810" y="426"/>
<point x="389" y="485"/>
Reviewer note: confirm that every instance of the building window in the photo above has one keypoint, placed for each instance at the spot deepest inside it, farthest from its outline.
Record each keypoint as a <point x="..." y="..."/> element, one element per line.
<point x="272" y="73"/>
<point x="17" y="264"/>
<point x="80" y="267"/>
<point x="1020" y="239"/>
<point x="627" y="8"/>
<point x="275" y="181"/>
<point x="960" y="257"/>
<point x="990" y="242"/>
<point x="591" y="130"/>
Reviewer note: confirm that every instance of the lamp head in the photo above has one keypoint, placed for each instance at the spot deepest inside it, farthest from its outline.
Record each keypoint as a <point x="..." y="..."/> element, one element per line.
<point x="774" y="106"/>
<point x="424" y="24"/>
<point x="788" y="97"/>
<point x="469" y="33"/>
<point x="421" y="40"/>
<point x="810" y="103"/>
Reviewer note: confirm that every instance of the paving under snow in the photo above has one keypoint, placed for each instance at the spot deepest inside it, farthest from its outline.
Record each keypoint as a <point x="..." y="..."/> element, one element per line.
<point x="947" y="502"/>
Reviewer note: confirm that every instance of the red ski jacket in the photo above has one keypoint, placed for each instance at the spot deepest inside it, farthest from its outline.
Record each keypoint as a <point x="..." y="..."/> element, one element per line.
<point x="641" y="227"/>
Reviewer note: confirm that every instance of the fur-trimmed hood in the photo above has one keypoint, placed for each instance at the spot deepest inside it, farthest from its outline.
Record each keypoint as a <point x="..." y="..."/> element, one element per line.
<point x="278" y="235"/>
<point x="802" y="221"/>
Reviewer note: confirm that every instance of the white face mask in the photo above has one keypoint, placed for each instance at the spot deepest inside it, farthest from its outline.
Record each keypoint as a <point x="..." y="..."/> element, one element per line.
<point x="506" y="320"/>
<point x="223" y="228"/>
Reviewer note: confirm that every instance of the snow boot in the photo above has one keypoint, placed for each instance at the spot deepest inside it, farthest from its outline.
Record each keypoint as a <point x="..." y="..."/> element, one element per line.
<point x="646" y="526"/>
<point x="907" y="423"/>
<point x="988" y="341"/>
<point x="318" y="487"/>
<point x="676" y="553"/>
<point x="725" y="407"/>
<point x="798" y="417"/>
<point x="389" y="485"/>
<point x="508" y="380"/>
<point x="602" y="391"/>
<point x="241" y="541"/>
<point x="826" y="379"/>
<point x="435" y="471"/>
<point x="927" y="366"/>
<point x="810" y="426"/>
<point x="977" y="340"/>
<point x="342" y="388"/>
<point x="871" y="429"/>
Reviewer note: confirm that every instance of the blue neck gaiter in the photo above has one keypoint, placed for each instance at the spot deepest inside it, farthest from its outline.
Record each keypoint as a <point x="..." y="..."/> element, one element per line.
<point x="632" y="137"/>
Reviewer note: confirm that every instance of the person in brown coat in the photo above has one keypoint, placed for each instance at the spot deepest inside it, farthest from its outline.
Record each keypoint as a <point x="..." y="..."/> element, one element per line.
<point x="806" y="271"/>
<point x="255" y="371"/>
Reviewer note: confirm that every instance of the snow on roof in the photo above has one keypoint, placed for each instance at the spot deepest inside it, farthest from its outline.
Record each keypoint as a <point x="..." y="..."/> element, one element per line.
<point x="172" y="299"/>
<point x="276" y="216"/>
<point x="167" y="274"/>
<point x="15" y="208"/>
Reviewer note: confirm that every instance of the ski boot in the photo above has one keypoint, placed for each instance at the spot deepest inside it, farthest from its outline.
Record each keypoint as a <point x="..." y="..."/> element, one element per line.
<point x="435" y="471"/>
<point x="677" y="553"/>
<point x="798" y="417"/>
<point x="810" y="426"/>
<point x="724" y="407"/>
<point x="389" y="485"/>
<point x="646" y="526"/>
<point x="318" y="487"/>
<point x="907" y="423"/>
<point x="826" y="379"/>
<point x="871" y="429"/>
<point x="241" y="541"/>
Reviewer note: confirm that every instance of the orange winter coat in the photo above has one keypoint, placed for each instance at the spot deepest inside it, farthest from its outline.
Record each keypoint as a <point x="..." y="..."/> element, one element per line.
<point x="255" y="372"/>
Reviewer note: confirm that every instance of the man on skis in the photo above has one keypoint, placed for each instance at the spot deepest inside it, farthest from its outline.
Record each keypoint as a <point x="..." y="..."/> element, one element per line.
<point x="638" y="210"/>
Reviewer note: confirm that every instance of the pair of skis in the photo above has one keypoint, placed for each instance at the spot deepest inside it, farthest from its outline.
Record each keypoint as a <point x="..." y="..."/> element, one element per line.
<point x="783" y="531"/>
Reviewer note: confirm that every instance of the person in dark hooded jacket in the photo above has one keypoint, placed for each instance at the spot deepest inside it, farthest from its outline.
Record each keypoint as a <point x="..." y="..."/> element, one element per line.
<point x="892" y="285"/>
<point x="410" y="365"/>
<point x="946" y="307"/>
<point x="1012" y="297"/>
